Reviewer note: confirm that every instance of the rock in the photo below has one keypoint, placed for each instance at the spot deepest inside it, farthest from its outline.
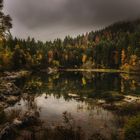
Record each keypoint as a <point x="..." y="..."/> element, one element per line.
<point x="29" y="118"/>
<point x="9" y="92"/>
<point x="9" y="88"/>
<point x="52" y="70"/>
<point x="12" y="99"/>
<point x="9" y="131"/>
<point x="101" y="101"/>
<point x="131" y="99"/>
<point x="17" y="122"/>
<point x="15" y="75"/>
<point x="73" y="95"/>
<point x="3" y="105"/>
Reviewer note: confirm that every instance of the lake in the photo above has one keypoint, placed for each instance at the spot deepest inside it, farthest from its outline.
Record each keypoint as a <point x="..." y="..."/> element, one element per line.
<point x="80" y="97"/>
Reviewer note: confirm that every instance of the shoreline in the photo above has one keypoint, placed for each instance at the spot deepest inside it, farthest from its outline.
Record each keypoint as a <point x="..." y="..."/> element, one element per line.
<point x="99" y="70"/>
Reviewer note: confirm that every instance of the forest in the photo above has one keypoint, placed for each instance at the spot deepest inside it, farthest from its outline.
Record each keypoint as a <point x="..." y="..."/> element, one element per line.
<point x="77" y="88"/>
<point x="114" y="47"/>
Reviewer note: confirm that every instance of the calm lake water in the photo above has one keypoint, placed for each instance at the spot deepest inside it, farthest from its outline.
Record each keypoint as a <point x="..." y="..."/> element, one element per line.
<point x="79" y="95"/>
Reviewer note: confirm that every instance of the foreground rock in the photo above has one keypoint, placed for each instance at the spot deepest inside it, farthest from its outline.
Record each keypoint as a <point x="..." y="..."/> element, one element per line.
<point x="9" y="92"/>
<point x="9" y="131"/>
<point x="15" y="75"/>
<point x="132" y="99"/>
<point x="8" y="88"/>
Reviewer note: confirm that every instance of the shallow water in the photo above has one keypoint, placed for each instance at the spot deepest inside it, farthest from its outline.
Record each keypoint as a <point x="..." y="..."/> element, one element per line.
<point x="87" y="115"/>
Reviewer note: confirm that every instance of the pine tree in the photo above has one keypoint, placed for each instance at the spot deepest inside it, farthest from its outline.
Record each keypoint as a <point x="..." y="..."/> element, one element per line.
<point x="5" y="23"/>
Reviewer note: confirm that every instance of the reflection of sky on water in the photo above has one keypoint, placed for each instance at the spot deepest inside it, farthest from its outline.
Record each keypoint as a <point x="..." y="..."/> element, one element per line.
<point x="87" y="115"/>
<point x="77" y="94"/>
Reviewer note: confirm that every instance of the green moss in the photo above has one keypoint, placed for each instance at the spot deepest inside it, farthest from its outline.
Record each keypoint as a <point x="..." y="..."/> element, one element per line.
<point x="132" y="128"/>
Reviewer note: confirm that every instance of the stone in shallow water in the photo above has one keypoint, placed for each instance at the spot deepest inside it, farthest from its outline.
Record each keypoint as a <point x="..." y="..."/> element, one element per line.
<point x="101" y="101"/>
<point x="12" y="99"/>
<point x="3" y="105"/>
<point x="73" y="95"/>
<point x="9" y="88"/>
<point x="17" y="121"/>
<point x="131" y="99"/>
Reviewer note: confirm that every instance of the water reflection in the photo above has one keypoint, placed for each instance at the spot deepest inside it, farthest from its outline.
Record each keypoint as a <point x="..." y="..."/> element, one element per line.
<point x="77" y="94"/>
<point x="89" y="85"/>
<point x="87" y="115"/>
<point x="130" y="83"/>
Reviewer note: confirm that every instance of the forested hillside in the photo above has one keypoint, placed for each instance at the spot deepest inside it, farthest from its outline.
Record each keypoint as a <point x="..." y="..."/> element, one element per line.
<point x="85" y="87"/>
<point x="116" y="46"/>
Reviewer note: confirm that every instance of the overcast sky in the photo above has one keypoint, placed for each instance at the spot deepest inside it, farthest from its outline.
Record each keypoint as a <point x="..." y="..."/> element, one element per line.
<point x="50" y="19"/>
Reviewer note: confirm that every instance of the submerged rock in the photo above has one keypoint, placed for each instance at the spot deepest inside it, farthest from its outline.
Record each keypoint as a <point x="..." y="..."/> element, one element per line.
<point x="9" y="93"/>
<point x="73" y="95"/>
<point x="132" y="99"/>
<point x="9" y="88"/>
<point x="3" y="105"/>
<point x="101" y="101"/>
<point x="17" y="122"/>
<point x="29" y="119"/>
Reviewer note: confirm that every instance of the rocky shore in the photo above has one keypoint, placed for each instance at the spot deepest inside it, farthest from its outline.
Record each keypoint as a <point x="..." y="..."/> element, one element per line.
<point x="9" y="92"/>
<point x="10" y="130"/>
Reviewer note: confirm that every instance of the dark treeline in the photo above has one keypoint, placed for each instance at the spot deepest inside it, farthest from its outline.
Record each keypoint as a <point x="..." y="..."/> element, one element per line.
<point x="117" y="46"/>
<point x="112" y="47"/>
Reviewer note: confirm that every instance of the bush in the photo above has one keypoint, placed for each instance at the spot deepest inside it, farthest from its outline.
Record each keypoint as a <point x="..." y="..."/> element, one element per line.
<point x="132" y="128"/>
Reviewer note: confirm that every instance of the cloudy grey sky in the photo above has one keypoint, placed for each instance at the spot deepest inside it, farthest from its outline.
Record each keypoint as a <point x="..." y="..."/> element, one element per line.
<point x="50" y="19"/>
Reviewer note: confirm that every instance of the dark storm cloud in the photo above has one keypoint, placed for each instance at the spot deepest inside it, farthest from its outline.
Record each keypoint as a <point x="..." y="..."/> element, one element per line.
<point x="41" y="14"/>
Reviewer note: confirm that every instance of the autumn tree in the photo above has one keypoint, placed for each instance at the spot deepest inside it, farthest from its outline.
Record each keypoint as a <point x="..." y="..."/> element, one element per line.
<point x="123" y="56"/>
<point x="5" y="23"/>
<point x="19" y="58"/>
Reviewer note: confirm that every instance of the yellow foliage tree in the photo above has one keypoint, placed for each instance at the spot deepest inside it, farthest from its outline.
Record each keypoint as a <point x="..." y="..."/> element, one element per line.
<point x="6" y="56"/>
<point x="133" y="60"/>
<point x="123" y="56"/>
<point x="84" y="58"/>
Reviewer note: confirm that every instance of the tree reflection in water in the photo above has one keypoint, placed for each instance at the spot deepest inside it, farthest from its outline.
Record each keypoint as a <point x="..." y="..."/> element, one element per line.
<point x="70" y="105"/>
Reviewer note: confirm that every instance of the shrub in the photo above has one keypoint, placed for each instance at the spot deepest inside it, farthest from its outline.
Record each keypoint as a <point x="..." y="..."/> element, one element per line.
<point x="132" y="128"/>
